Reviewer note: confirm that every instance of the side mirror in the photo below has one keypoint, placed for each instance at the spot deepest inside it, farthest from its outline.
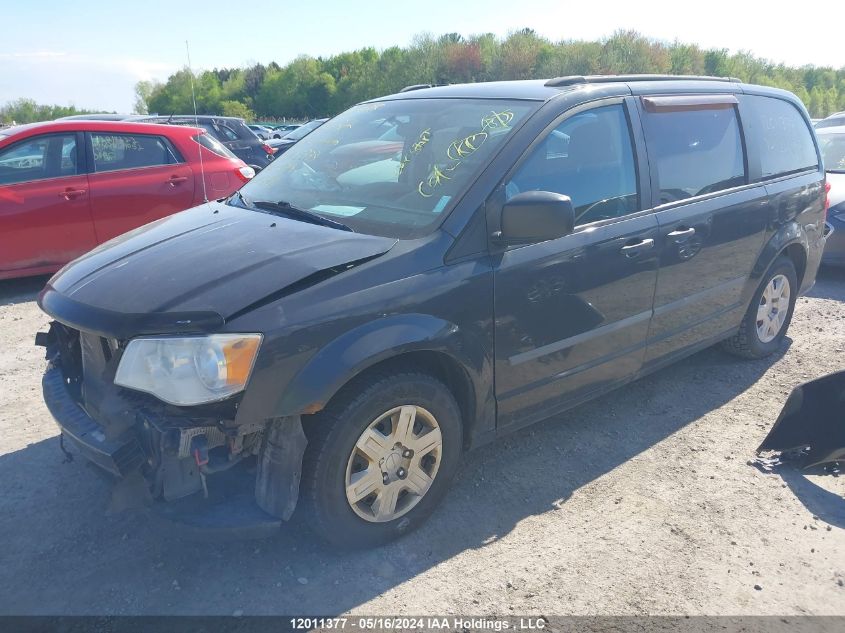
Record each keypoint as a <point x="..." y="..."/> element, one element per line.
<point x="536" y="216"/>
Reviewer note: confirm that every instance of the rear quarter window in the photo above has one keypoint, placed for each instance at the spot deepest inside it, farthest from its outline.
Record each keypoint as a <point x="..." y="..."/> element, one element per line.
<point x="782" y="136"/>
<point x="211" y="143"/>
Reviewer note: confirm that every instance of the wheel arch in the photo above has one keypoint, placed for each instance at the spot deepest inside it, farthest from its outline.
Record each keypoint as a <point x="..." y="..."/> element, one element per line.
<point x="790" y="241"/>
<point x="418" y="342"/>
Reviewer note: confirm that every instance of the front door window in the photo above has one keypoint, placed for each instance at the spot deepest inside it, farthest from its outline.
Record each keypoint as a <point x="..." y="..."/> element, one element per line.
<point x="590" y="158"/>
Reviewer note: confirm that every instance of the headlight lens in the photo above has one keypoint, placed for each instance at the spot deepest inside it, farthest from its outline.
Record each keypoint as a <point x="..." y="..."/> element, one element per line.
<point x="189" y="370"/>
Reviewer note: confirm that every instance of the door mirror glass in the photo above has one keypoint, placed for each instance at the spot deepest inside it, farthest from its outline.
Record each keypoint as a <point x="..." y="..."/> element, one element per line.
<point x="536" y="216"/>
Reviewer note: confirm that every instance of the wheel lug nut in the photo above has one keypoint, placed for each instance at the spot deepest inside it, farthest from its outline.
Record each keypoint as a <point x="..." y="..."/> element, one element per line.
<point x="385" y="479"/>
<point x="401" y="473"/>
<point x="407" y="453"/>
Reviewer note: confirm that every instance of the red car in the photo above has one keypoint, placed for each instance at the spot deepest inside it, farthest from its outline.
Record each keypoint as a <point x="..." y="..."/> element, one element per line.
<point x="66" y="186"/>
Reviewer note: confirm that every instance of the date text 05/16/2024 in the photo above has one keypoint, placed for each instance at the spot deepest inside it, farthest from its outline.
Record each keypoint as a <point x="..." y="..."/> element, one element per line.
<point x="419" y="623"/>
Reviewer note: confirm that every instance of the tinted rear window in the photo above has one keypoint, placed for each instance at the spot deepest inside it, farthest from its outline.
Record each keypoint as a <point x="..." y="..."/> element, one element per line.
<point x="695" y="151"/>
<point x="130" y="151"/>
<point x="783" y="137"/>
<point x="211" y="143"/>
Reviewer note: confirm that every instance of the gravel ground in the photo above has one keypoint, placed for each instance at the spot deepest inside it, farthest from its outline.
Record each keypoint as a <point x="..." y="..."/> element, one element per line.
<point x="639" y="503"/>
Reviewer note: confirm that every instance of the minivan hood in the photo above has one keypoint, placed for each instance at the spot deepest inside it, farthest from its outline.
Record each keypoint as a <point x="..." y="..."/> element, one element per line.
<point x="208" y="263"/>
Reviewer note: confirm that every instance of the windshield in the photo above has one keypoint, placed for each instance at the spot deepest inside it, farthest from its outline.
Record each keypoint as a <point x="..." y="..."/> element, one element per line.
<point x="392" y="167"/>
<point x="303" y="130"/>
<point x="833" y="151"/>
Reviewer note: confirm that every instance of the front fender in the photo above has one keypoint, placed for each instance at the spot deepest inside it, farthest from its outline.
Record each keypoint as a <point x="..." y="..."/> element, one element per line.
<point x="364" y="346"/>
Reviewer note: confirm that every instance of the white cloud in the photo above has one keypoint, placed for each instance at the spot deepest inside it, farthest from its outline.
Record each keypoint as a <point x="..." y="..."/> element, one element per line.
<point x="67" y="78"/>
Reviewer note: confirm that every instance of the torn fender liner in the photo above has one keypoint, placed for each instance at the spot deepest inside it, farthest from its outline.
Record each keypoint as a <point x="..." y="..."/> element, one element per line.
<point x="280" y="467"/>
<point x="812" y="422"/>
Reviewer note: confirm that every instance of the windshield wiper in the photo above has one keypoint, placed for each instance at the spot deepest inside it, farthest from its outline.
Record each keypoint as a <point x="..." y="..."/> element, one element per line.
<point x="286" y="208"/>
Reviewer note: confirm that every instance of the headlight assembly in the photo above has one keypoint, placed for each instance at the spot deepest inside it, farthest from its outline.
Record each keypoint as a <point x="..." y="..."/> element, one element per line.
<point x="189" y="370"/>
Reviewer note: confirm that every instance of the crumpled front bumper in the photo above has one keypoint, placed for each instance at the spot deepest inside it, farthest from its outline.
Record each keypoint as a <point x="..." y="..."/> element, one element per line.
<point x="119" y="456"/>
<point x="193" y="466"/>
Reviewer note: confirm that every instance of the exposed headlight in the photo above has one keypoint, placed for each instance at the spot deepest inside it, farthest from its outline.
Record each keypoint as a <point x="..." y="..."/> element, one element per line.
<point x="189" y="370"/>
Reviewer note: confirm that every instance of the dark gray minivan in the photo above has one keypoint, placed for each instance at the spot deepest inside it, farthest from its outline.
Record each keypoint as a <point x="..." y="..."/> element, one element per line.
<point x="423" y="273"/>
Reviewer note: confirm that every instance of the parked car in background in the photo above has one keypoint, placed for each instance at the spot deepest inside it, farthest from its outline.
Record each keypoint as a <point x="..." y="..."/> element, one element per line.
<point x="232" y="132"/>
<point x="834" y="120"/>
<point x="101" y="116"/>
<point x="832" y="143"/>
<point x="334" y="336"/>
<point x="280" y="131"/>
<point x="291" y="138"/>
<point x="261" y="131"/>
<point x="66" y="186"/>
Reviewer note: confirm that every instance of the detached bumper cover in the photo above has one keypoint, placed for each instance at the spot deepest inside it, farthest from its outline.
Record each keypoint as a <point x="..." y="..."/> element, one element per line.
<point x="119" y="456"/>
<point x="811" y="426"/>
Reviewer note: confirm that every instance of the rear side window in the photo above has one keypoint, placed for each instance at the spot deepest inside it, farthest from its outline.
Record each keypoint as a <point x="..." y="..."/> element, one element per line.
<point x="211" y="143"/>
<point x="130" y="151"/>
<point x="695" y="151"/>
<point x="783" y="137"/>
<point x="39" y="158"/>
<point x="225" y="132"/>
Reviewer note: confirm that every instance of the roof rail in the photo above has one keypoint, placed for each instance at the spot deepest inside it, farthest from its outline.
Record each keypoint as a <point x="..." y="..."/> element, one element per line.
<point x="573" y="80"/>
<point x="416" y="87"/>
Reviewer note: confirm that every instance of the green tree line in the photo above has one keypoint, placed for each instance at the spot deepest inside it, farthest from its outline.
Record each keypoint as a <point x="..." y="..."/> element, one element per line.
<point x="311" y="87"/>
<point x="28" y="111"/>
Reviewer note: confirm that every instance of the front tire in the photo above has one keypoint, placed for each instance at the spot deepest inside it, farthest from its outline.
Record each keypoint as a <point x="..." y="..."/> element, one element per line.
<point x="769" y="314"/>
<point x="380" y="458"/>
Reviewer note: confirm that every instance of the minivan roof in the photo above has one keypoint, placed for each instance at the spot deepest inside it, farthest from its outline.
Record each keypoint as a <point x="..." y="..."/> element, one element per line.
<point x="545" y="89"/>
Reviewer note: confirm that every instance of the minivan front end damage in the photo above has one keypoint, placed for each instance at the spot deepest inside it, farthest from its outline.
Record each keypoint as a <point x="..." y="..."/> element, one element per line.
<point x="176" y="451"/>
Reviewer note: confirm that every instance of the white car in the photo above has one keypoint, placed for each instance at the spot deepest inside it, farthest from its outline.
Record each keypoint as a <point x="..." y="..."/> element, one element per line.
<point x="261" y="131"/>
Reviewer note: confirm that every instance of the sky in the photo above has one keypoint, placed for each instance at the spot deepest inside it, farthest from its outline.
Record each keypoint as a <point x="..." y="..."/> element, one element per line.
<point x="90" y="53"/>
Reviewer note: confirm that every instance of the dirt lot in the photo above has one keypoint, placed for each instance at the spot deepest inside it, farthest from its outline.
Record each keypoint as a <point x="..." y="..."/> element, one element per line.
<point x="641" y="502"/>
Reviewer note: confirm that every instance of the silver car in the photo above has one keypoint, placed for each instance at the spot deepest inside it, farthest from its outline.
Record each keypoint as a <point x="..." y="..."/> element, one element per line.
<point x="834" y="120"/>
<point x="832" y="145"/>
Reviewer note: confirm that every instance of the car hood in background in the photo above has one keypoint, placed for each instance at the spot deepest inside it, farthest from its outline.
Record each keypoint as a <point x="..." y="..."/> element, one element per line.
<point x="195" y="269"/>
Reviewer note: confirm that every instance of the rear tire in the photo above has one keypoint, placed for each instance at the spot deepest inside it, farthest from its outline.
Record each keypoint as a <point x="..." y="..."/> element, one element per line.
<point x="769" y="314"/>
<point x="377" y="440"/>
